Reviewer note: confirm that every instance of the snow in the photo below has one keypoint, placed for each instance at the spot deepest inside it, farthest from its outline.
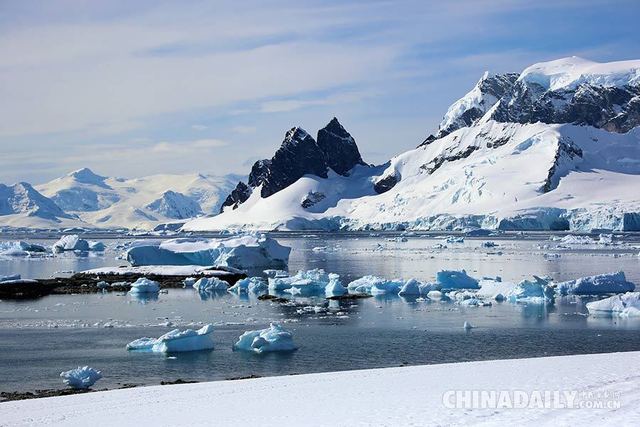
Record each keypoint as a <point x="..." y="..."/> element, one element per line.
<point x="594" y="285"/>
<point x="568" y="73"/>
<point x="73" y="242"/>
<point x="176" y="341"/>
<point x="273" y="338"/>
<point x="157" y="270"/>
<point x="21" y="249"/>
<point x="398" y="396"/>
<point x="374" y="285"/>
<point x="144" y="286"/>
<point x="242" y="252"/>
<point x="450" y="279"/>
<point x="81" y="377"/>
<point x="254" y="285"/>
<point x="210" y="284"/>
<point x="624" y="305"/>
<point x="140" y="203"/>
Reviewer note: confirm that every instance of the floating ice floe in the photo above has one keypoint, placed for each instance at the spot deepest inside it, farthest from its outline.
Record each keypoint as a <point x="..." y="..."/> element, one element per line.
<point x="611" y="283"/>
<point x="21" y="249"/>
<point x="81" y="378"/>
<point x="176" y="341"/>
<point x="455" y="239"/>
<point x="74" y="243"/>
<point x="410" y="288"/>
<point x="303" y="283"/>
<point x="489" y="244"/>
<point x="273" y="338"/>
<point x="624" y="305"/>
<point x="334" y="288"/>
<point x="210" y="284"/>
<point x="451" y="279"/>
<point x="243" y="252"/>
<point x="189" y="282"/>
<point x="255" y="285"/>
<point x="374" y="285"/>
<point x="145" y="286"/>
<point x="467" y="326"/>
<point x="537" y="291"/>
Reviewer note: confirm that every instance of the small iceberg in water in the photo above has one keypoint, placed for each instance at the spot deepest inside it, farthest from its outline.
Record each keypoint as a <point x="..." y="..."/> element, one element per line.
<point x="210" y="284"/>
<point x="144" y="286"/>
<point x="624" y="305"/>
<point x="176" y="341"/>
<point x="273" y="338"/>
<point x="81" y="378"/>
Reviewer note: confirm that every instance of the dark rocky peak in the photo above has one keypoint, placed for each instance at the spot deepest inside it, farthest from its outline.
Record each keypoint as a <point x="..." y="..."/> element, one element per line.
<point x="238" y="196"/>
<point x="339" y="147"/>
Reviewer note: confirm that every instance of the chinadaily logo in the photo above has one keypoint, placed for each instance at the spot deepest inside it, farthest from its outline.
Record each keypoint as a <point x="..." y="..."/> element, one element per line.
<point x="536" y="399"/>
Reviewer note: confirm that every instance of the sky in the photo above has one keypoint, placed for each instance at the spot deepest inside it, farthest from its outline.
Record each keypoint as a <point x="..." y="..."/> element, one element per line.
<point x="135" y="88"/>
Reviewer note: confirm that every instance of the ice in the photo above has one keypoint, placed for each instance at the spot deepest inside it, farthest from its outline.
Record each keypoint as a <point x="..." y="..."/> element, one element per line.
<point x="145" y="286"/>
<point x="20" y="249"/>
<point x="273" y="338"/>
<point x="255" y="285"/>
<point x="302" y="283"/>
<point x="467" y="325"/>
<point x="455" y="239"/>
<point x="210" y="284"/>
<point x="410" y="288"/>
<point x="243" y="252"/>
<point x="73" y="242"/>
<point x="537" y="291"/>
<point x="10" y="278"/>
<point x="335" y="287"/>
<point x="374" y="285"/>
<point x="610" y="283"/>
<point x="451" y="279"/>
<point x="189" y="282"/>
<point x="176" y="341"/>
<point x="81" y="378"/>
<point x="624" y="305"/>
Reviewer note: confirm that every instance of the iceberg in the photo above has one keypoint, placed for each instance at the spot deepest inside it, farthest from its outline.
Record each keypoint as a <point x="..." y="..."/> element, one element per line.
<point x="72" y="242"/>
<point x="374" y="285"/>
<point x="10" y="278"/>
<point x="308" y="282"/>
<point x="611" y="283"/>
<point x="255" y="285"/>
<point x="209" y="284"/>
<point x="273" y="338"/>
<point x="334" y="288"/>
<point x="20" y="249"/>
<point x="624" y="305"/>
<point x="451" y="279"/>
<point x="81" y="378"/>
<point x="410" y="288"/>
<point x="243" y="252"/>
<point x="537" y="291"/>
<point x="176" y="341"/>
<point x="144" y="286"/>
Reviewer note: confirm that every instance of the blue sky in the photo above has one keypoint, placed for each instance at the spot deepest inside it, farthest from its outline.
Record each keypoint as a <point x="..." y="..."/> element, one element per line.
<point x="133" y="88"/>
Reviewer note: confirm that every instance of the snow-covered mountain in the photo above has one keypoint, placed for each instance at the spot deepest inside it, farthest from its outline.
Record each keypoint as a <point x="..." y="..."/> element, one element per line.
<point x="554" y="147"/>
<point x="137" y="203"/>
<point x="21" y="205"/>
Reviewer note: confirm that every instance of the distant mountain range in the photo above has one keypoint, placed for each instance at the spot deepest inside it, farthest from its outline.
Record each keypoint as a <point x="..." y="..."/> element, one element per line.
<point x="555" y="147"/>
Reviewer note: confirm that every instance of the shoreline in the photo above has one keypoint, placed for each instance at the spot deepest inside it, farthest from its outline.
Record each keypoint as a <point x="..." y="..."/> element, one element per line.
<point x="386" y="396"/>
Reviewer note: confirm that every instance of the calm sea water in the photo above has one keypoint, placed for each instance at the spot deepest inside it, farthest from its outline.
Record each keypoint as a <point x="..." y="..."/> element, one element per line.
<point x="40" y="338"/>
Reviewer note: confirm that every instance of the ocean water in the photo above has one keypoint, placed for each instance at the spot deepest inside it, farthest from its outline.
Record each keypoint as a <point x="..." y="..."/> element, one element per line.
<point x="40" y="338"/>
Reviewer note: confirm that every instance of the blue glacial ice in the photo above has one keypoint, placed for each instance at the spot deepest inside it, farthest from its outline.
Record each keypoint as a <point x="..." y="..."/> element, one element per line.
<point x="374" y="285"/>
<point x="623" y="305"/>
<point x="334" y="288"/>
<point x="145" y="286"/>
<point x="536" y="291"/>
<point x="21" y="249"/>
<point x="273" y="338"/>
<point x="452" y="279"/>
<point x="254" y="285"/>
<point x="210" y="284"/>
<point x="176" y="341"/>
<point x="81" y="378"/>
<point x="243" y="252"/>
<point x="611" y="283"/>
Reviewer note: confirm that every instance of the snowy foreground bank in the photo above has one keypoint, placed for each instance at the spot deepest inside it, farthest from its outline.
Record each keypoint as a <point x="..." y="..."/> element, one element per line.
<point x="418" y="395"/>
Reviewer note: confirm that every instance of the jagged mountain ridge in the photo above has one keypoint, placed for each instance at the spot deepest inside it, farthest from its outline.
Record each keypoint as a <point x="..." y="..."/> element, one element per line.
<point x="520" y="151"/>
<point x="299" y="155"/>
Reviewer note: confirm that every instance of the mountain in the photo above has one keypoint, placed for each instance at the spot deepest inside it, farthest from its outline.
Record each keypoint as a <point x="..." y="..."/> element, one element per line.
<point x="555" y="147"/>
<point x="299" y="155"/>
<point x="140" y="202"/>
<point x="22" y="205"/>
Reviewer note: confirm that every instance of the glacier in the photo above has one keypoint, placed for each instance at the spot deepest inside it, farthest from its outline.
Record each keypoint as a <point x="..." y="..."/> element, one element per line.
<point x="272" y="339"/>
<point x="176" y="341"/>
